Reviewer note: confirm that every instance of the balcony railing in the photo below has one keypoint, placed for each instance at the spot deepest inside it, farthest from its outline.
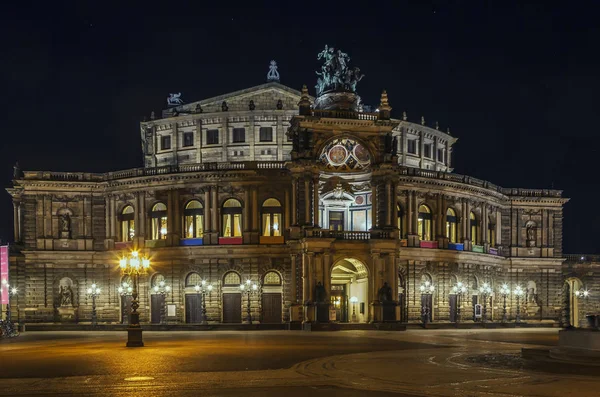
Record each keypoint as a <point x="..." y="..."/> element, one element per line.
<point x="347" y="234"/>
<point x="274" y="165"/>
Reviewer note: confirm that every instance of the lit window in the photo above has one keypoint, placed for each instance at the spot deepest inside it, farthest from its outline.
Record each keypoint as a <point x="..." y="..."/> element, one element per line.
<point x="451" y="225"/>
<point x="424" y="223"/>
<point x="272" y="278"/>
<point x="427" y="150"/>
<point x="232" y="218"/>
<point x="127" y="223"/>
<point x="194" y="219"/>
<point x="159" y="221"/>
<point x="474" y="225"/>
<point x="271" y="217"/>
<point x="399" y="217"/>
<point x="232" y="278"/>
<point x="412" y="146"/>
<point x="193" y="279"/>
<point x="492" y="233"/>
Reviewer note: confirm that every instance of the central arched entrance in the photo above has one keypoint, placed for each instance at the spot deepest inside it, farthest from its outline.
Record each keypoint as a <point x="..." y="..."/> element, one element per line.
<point x="349" y="291"/>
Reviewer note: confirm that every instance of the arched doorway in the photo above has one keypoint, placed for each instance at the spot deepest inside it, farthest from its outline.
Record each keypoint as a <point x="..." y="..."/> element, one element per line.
<point x="349" y="291"/>
<point x="193" y="299"/>
<point x="271" y="298"/>
<point x="572" y="285"/>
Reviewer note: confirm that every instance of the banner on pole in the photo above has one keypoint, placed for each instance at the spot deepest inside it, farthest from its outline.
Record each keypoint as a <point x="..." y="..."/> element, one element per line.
<point x="4" y="274"/>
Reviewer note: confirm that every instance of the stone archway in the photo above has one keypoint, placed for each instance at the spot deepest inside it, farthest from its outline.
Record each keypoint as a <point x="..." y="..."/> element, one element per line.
<point x="349" y="293"/>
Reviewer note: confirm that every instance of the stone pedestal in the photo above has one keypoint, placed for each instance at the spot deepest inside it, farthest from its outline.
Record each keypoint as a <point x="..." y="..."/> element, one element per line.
<point x="581" y="345"/>
<point x="412" y="240"/>
<point x="382" y="312"/>
<point x="66" y="315"/>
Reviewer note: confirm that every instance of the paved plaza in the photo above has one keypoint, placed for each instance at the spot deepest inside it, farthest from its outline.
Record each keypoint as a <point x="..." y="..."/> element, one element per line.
<point x="269" y="363"/>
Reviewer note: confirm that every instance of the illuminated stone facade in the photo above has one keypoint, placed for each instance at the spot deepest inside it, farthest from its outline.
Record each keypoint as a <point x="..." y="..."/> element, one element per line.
<point x="316" y="205"/>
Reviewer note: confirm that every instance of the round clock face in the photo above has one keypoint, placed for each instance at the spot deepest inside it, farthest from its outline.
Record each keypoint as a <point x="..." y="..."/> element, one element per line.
<point x="337" y="155"/>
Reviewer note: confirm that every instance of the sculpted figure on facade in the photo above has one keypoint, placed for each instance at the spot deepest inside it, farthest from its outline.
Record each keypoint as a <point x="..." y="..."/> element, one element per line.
<point x="335" y="73"/>
<point x="385" y="293"/>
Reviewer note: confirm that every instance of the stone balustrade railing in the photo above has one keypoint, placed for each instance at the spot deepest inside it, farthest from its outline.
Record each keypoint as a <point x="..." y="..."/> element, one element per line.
<point x="345" y="114"/>
<point x="279" y="165"/>
<point x="582" y="258"/>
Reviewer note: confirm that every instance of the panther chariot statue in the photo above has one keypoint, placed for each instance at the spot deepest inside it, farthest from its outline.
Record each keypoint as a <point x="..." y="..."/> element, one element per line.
<point x="336" y="82"/>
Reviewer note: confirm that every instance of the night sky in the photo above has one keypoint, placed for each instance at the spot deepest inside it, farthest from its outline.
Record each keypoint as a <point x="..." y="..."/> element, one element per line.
<point x="517" y="84"/>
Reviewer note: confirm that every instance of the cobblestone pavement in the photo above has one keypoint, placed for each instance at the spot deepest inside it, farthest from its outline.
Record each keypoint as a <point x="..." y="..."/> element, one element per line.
<point x="269" y="363"/>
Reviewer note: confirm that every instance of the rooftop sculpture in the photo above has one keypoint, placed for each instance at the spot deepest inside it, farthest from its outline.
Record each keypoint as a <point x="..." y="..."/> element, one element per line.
<point x="335" y="74"/>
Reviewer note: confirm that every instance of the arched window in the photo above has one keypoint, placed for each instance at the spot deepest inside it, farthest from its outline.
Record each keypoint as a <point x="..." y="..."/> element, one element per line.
<point x="491" y="233"/>
<point x="271" y="217"/>
<point x="156" y="279"/>
<point x="127" y="223"/>
<point x="232" y="278"/>
<point x="193" y="279"/>
<point x="232" y="218"/>
<point x="474" y="225"/>
<point x="272" y="278"/>
<point x="424" y="224"/>
<point x="399" y="218"/>
<point x="193" y="215"/>
<point x="451" y="225"/>
<point x="159" y="221"/>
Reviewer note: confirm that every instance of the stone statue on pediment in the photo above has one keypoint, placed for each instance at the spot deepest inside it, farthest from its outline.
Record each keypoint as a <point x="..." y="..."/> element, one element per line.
<point x="335" y="74"/>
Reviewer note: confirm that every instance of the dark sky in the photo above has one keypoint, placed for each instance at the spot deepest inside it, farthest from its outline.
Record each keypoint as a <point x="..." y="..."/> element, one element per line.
<point x="516" y="83"/>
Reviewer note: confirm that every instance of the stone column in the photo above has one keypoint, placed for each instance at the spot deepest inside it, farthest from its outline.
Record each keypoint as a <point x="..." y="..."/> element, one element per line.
<point x="113" y="223"/>
<point x="247" y="226"/>
<point x="306" y="201"/>
<point x="286" y="210"/>
<point x="142" y="216"/>
<point x="294" y="200"/>
<point x="136" y="215"/>
<point x="374" y="205"/>
<point x="315" y="184"/>
<point x="215" y="214"/>
<point x="177" y="217"/>
<point x="107" y="216"/>
<point x="207" y="211"/>
<point x="389" y="202"/>
<point x="255" y="227"/>
<point x="16" y="229"/>
<point x="409" y="211"/>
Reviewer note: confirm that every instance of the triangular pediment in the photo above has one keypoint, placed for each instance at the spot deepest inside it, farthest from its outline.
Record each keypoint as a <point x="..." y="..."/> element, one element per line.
<point x="265" y="97"/>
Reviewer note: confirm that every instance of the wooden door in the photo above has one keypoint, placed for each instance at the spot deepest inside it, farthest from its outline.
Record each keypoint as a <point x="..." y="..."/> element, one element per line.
<point x="126" y="309"/>
<point x="453" y="307"/>
<point x="427" y="307"/>
<point x="193" y="308"/>
<point x="232" y="308"/>
<point x="271" y="308"/>
<point x="156" y="303"/>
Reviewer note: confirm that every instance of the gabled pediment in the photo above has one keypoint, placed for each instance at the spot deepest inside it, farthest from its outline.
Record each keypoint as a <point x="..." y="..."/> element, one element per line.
<point x="264" y="97"/>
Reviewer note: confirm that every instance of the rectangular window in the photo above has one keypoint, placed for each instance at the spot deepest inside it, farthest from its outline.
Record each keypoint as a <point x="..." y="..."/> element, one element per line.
<point x="212" y="137"/>
<point x="188" y="139"/>
<point x="427" y="150"/>
<point x="266" y="134"/>
<point x="441" y="155"/>
<point x="165" y="142"/>
<point x="412" y="146"/>
<point x="239" y="135"/>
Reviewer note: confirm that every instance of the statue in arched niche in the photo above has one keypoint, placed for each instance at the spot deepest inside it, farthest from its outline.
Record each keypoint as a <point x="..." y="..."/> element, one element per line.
<point x="531" y="233"/>
<point x="65" y="292"/>
<point x="64" y="223"/>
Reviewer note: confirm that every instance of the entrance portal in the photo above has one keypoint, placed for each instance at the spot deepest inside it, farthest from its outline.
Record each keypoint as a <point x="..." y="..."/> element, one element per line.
<point x="349" y="291"/>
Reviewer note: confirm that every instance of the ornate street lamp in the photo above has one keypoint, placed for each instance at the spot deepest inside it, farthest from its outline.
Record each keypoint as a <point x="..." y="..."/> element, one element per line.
<point x="353" y="300"/>
<point x="426" y="290"/>
<point x="163" y="289"/>
<point x="133" y="266"/>
<point x="203" y="288"/>
<point x="485" y="290"/>
<point x="459" y="290"/>
<point x="249" y="288"/>
<point x="582" y="293"/>
<point x="125" y="289"/>
<point x="93" y="293"/>
<point x="518" y="291"/>
<point x="504" y="291"/>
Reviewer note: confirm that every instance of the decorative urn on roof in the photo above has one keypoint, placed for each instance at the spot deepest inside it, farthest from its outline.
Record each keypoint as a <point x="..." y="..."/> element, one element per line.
<point x="336" y="84"/>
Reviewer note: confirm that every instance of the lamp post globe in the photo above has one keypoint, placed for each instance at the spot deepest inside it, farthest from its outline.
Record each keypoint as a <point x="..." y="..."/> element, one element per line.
<point x="93" y="292"/>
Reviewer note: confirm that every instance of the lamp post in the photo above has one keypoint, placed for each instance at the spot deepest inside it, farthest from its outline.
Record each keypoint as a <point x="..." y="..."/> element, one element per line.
<point x="125" y="290"/>
<point x="584" y="294"/>
<point x="353" y="300"/>
<point x="459" y="290"/>
<point x="504" y="291"/>
<point x="518" y="293"/>
<point x="133" y="266"/>
<point x="93" y="293"/>
<point x="163" y="289"/>
<point x="249" y="288"/>
<point x="203" y="288"/>
<point x="426" y="290"/>
<point x="485" y="290"/>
